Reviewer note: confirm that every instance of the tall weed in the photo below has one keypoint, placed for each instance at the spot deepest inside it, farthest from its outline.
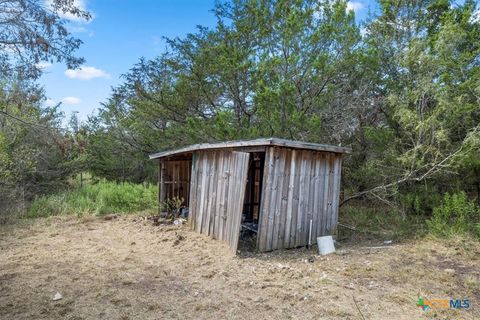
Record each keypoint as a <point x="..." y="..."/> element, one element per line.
<point x="457" y="215"/>
<point x="101" y="198"/>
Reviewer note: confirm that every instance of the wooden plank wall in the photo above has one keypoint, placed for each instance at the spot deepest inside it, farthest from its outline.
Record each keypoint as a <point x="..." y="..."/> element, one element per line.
<point x="218" y="188"/>
<point x="299" y="186"/>
<point x="174" y="180"/>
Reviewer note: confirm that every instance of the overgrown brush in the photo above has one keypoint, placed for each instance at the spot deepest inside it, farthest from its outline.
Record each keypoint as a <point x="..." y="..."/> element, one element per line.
<point x="456" y="216"/>
<point x="380" y="223"/>
<point x="101" y="198"/>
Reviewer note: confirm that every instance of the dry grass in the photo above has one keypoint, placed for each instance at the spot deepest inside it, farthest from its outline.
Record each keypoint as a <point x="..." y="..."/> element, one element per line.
<point x="126" y="268"/>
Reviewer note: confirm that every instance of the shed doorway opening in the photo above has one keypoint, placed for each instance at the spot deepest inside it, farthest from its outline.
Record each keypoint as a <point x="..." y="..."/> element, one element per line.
<point x="174" y="186"/>
<point x="252" y="200"/>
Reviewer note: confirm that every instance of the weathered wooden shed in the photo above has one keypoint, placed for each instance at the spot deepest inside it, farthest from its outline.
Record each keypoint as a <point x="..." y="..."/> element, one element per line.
<point x="275" y="187"/>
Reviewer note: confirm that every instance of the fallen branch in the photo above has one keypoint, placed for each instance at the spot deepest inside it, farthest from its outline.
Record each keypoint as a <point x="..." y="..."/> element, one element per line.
<point x="347" y="226"/>
<point x="356" y="305"/>
<point x="411" y="176"/>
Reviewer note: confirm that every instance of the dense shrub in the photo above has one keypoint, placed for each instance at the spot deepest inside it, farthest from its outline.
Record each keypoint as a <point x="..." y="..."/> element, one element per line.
<point x="101" y="198"/>
<point x="418" y="201"/>
<point x="457" y="215"/>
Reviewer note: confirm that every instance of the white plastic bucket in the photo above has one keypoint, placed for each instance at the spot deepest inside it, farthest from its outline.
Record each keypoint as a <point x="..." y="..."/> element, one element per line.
<point x="325" y="245"/>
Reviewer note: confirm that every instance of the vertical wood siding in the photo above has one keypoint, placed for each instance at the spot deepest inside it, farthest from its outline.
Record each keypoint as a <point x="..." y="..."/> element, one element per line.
<point x="299" y="186"/>
<point x="217" y="194"/>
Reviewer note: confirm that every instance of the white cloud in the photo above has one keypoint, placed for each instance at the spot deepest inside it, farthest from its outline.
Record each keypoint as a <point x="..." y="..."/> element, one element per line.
<point x="71" y="100"/>
<point x="80" y="4"/>
<point x="355" y="6"/>
<point x="86" y="73"/>
<point x="43" y="65"/>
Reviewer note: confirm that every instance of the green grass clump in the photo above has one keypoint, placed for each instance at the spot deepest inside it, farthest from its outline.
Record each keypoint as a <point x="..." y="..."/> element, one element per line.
<point x="456" y="216"/>
<point x="101" y="198"/>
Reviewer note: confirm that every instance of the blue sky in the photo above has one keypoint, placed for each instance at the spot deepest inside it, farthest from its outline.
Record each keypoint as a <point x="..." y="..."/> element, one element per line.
<point x="121" y="32"/>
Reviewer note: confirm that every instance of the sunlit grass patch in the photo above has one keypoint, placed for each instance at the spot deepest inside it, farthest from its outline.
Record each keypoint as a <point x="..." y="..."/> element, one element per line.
<point x="99" y="199"/>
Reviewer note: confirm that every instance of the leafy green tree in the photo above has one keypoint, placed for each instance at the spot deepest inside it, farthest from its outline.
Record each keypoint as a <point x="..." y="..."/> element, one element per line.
<point x="402" y="90"/>
<point x="36" y="156"/>
<point x="268" y="68"/>
<point x="430" y="111"/>
<point x="31" y="31"/>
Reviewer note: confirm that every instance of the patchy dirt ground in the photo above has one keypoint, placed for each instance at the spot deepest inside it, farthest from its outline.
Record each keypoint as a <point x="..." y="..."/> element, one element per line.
<point x="126" y="268"/>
